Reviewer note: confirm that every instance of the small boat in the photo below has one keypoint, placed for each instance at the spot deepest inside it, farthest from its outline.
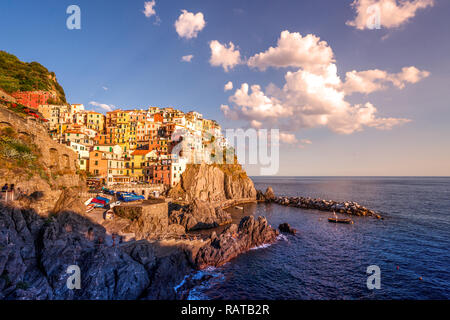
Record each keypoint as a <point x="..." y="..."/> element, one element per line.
<point x="341" y="220"/>
<point x="90" y="207"/>
<point x="88" y="201"/>
<point x="240" y="208"/>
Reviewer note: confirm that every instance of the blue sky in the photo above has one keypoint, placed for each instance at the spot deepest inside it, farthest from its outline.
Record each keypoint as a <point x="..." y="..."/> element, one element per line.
<point x="139" y="61"/>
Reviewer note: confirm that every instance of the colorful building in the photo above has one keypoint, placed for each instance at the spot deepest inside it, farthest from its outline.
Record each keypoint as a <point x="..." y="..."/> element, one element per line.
<point x="33" y="99"/>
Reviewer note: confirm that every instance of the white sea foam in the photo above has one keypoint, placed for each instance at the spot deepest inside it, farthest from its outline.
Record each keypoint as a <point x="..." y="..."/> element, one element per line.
<point x="263" y="246"/>
<point x="282" y="237"/>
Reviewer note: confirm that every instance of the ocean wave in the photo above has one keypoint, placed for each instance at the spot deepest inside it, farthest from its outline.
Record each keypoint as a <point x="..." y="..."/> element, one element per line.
<point x="282" y="237"/>
<point x="214" y="277"/>
<point x="263" y="246"/>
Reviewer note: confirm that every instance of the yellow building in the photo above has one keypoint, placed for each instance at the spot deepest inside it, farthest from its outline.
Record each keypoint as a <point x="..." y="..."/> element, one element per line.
<point x="95" y="121"/>
<point x="136" y="165"/>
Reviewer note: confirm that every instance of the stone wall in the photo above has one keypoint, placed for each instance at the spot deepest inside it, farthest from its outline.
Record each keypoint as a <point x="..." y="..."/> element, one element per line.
<point x="57" y="157"/>
<point x="150" y="220"/>
<point x="143" y="190"/>
<point x="58" y="161"/>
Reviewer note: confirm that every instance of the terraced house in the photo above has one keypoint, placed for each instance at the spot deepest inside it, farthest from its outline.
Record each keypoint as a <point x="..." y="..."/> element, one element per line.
<point x="134" y="146"/>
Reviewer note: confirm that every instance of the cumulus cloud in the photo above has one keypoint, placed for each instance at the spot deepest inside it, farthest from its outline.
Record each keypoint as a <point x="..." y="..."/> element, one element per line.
<point x="187" y="58"/>
<point x="314" y="95"/>
<point x="149" y="8"/>
<point x="104" y="106"/>
<point x="222" y="55"/>
<point x="374" y="80"/>
<point x="228" y="86"/>
<point x="294" y="50"/>
<point x="392" y="13"/>
<point x="288" y="138"/>
<point x="188" y="24"/>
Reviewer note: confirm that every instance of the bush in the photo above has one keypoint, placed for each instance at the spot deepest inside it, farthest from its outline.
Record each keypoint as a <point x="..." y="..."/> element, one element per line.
<point x="16" y="75"/>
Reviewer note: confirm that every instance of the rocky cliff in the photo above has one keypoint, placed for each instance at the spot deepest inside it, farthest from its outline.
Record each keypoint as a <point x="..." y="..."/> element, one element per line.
<point x="35" y="253"/>
<point x="35" y="163"/>
<point x="208" y="189"/>
<point x="215" y="184"/>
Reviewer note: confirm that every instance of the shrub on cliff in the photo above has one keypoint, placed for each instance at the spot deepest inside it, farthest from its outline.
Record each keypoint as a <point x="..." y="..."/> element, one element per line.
<point x="18" y="153"/>
<point x="16" y="75"/>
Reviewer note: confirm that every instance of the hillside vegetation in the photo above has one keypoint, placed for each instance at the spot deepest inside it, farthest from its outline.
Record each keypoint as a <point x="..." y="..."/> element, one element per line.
<point x="16" y="75"/>
<point x="19" y="153"/>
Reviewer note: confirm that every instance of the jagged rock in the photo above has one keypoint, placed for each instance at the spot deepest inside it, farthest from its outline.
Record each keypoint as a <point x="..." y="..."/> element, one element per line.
<point x="269" y="195"/>
<point x="111" y="274"/>
<point x="235" y="240"/>
<point x="286" y="228"/>
<point x="260" y="196"/>
<point x="200" y="215"/>
<point x="149" y="220"/>
<point x="214" y="184"/>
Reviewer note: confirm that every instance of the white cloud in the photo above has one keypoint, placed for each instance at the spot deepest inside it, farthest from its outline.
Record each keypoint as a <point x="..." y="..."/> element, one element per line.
<point x="374" y="80"/>
<point x="105" y="88"/>
<point x="149" y="8"/>
<point x="314" y="95"/>
<point x="228" y="86"/>
<point x="288" y="138"/>
<point x="104" y="106"/>
<point x="293" y="50"/>
<point x="221" y="55"/>
<point x="188" y="24"/>
<point x="187" y="58"/>
<point x="393" y="13"/>
<point x="306" y="141"/>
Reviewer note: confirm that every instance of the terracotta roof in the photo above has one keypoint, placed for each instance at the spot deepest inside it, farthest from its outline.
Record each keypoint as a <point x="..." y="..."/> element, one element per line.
<point x="140" y="152"/>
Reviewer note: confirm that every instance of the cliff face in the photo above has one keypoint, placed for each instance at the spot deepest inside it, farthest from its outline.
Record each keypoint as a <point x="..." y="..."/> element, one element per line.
<point x="35" y="254"/>
<point x="215" y="184"/>
<point x="35" y="163"/>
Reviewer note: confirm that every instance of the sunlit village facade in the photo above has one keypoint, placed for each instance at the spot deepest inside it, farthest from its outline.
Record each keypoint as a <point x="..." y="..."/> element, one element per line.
<point x="134" y="146"/>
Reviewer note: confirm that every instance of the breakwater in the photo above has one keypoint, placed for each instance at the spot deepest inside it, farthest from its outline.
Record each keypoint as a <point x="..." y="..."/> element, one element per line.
<point x="345" y="207"/>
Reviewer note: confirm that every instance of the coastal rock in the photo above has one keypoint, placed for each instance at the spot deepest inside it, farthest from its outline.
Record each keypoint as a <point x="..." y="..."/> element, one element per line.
<point x="286" y="228"/>
<point x="269" y="195"/>
<point x="149" y="220"/>
<point x="235" y="240"/>
<point x="214" y="183"/>
<point x="260" y="196"/>
<point x="350" y="208"/>
<point x="200" y="215"/>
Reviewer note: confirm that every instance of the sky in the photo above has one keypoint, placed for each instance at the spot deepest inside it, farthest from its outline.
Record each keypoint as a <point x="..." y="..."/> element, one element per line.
<point x="350" y="97"/>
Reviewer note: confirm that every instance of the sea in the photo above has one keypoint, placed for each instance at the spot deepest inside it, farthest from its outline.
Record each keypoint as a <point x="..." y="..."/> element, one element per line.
<point x="410" y="247"/>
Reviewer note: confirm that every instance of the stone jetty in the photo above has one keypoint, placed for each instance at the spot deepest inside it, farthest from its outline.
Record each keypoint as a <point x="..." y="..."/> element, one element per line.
<point x="346" y="207"/>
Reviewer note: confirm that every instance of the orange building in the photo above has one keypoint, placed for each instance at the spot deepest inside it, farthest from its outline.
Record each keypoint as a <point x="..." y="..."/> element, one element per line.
<point x="158" y="117"/>
<point x="98" y="163"/>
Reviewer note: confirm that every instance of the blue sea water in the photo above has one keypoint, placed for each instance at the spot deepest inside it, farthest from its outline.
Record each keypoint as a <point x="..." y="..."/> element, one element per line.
<point x="329" y="261"/>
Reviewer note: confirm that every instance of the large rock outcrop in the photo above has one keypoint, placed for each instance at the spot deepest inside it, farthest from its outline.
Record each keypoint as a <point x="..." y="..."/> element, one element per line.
<point x="215" y="184"/>
<point x="199" y="215"/>
<point x="208" y="189"/>
<point x="235" y="240"/>
<point x="148" y="220"/>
